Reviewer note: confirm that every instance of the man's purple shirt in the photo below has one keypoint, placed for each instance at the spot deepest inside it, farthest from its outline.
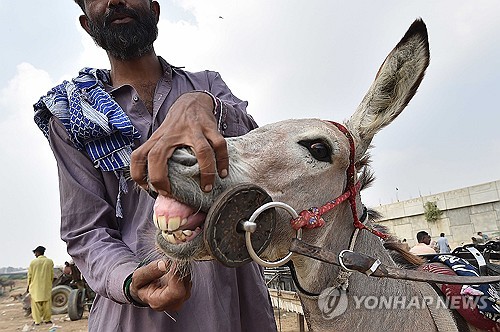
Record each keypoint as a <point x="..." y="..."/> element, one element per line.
<point x="107" y="249"/>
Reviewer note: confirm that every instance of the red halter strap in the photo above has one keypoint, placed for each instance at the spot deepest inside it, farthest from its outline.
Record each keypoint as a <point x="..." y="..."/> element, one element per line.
<point x="312" y="218"/>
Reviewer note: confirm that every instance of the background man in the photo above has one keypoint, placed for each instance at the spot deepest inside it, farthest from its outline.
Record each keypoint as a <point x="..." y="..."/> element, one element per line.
<point x="442" y="244"/>
<point x="422" y="247"/>
<point x="152" y="108"/>
<point x="40" y="277"/>
<point x="482" y="238"/>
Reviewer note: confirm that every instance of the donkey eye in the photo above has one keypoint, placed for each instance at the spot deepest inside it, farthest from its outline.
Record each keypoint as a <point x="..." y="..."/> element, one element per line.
<point x="318" y="149"/>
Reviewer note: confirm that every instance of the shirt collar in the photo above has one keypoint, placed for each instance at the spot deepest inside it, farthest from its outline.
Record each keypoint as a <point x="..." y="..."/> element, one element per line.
<point x="167" y="75"/>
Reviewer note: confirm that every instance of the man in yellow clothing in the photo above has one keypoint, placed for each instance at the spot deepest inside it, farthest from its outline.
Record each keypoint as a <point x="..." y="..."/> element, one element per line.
<point x="40" y="276"/>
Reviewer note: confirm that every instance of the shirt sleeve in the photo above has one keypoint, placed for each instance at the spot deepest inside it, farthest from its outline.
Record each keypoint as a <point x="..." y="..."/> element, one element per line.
<point x="232" y="116"/>
<point x="88" y="223"/>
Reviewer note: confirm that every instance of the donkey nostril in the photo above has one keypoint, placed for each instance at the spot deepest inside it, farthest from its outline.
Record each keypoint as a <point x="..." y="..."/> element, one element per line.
<point x="184" y="156"/>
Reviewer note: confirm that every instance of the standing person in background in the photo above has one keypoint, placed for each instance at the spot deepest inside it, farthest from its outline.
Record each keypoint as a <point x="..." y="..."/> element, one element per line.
<point x="405" y="244"/>
<point x="40" y="277"/>
<point x="484" y="238"/>
<point x="433" y="244"/>
<point x="442" y="244"/>
<point x="422" y="247"/>
<point x="67" y="269"/>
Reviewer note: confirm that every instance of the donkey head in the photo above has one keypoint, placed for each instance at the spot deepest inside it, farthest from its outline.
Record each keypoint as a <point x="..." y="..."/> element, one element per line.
<point x="299" y="162"/>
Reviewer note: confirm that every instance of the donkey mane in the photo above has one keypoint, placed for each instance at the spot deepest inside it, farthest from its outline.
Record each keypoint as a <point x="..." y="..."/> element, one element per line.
<point x="398" y="252"/>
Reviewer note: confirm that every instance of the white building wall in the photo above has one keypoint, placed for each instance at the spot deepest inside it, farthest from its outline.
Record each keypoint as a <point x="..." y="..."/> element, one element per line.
<point x="466" y="211"/>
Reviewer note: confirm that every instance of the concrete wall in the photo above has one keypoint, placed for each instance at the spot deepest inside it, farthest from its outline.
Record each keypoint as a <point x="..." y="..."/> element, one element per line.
<point x="466" y="211"/>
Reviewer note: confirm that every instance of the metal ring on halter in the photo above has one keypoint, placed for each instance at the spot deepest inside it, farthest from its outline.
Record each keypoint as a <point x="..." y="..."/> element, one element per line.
<point x="249" y="227"/>
<point x="341" y="261"/>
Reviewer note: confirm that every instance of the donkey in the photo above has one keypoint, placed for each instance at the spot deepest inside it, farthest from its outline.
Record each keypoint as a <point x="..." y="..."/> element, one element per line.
<point x="304" y="163"/>
<point x="7" y="283"/>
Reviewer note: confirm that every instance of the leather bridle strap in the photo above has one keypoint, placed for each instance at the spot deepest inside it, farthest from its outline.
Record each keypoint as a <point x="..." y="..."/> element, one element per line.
<point x="342" y="278"/>
<point x="295" y="279"/>
<point x="353" y="261"/>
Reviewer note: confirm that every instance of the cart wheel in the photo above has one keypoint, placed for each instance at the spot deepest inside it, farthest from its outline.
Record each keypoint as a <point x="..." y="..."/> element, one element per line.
<point x="60" y="296"/>
<point x="75" y="304"/>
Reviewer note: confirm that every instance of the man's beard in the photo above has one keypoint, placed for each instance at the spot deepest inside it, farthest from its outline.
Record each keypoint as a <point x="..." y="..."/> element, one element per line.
<point x="128" y="40"/>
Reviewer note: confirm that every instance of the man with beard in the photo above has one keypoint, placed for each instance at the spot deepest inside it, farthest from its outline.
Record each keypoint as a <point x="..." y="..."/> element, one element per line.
<point x="145" y="105"/>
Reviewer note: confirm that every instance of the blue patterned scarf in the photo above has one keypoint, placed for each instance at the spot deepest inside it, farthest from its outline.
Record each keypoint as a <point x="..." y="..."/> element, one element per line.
<point x="94" y="121"/>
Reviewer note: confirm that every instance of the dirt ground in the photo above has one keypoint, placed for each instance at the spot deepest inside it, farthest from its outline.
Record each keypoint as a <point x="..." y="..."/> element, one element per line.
<point x="12" y="317"/>
<point x="287" y="321"/>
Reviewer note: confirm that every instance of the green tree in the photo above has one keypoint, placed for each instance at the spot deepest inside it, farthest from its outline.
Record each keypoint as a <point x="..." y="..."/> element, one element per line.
<point x="431" y="212"/>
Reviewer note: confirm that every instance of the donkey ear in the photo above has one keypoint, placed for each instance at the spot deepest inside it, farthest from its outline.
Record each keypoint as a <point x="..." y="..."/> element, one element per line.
<point x="396" y="82"/>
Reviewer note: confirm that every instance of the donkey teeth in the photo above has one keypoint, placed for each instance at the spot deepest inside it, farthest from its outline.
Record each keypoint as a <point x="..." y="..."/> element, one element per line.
<point x="155" y="220"/>
<point x="173" y="223"/>
<point x="174" y="237"/>
<point x="179" y="235"/>
<point x="169" y="237"/>
<point x="162" y="223"/>
<point x="184" y="221"/>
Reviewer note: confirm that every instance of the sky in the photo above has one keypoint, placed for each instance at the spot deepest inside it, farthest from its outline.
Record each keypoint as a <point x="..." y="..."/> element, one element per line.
<point x="289" y="59"/>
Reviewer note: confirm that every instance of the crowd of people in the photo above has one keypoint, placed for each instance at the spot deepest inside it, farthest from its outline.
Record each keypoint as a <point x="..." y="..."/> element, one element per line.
<point x="425" y="245"/>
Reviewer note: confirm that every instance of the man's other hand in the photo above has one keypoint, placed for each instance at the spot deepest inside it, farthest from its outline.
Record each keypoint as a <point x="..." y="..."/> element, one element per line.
<point x="158" y="288"/>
